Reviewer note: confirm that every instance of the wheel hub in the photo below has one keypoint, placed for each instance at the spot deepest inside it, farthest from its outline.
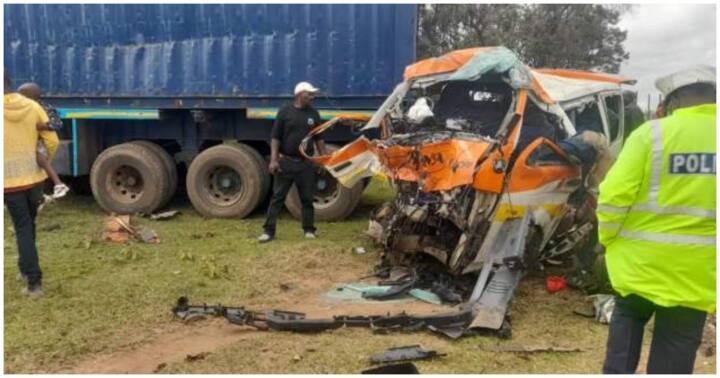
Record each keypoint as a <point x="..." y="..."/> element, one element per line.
<point x="126" y="184"/>
<point x="327" y="190"/>
<point x="224" y="185"/>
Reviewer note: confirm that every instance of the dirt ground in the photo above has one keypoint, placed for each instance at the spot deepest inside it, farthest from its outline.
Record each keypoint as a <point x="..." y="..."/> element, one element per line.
<point x="106" y="307"/>
<point x="191" y="348"/>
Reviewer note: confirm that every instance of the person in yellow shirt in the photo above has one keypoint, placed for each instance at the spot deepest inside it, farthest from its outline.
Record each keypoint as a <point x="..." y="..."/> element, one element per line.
<point x="656" y="213"/>
<point x="23" y="177"/>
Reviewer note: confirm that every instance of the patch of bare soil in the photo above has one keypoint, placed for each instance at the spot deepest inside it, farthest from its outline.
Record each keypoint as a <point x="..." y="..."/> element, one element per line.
<point x="196" y="340"/>
<point x="186" y="342"/>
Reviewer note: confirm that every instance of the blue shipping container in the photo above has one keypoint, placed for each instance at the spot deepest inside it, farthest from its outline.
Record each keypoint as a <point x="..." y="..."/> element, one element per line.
<point x="235" y="51"/>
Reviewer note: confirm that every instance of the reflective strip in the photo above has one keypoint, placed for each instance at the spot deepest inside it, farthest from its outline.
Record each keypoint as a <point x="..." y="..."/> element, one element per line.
<point x="668" y="238"/>
<point x="691" y="211"/>
<point x="609" y="226"/>
<point x="612" y="209"/>
<point x="655" y="162"/>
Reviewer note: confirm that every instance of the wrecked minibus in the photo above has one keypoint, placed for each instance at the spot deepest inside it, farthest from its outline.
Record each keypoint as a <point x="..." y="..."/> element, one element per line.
<point x="495" y="168"/>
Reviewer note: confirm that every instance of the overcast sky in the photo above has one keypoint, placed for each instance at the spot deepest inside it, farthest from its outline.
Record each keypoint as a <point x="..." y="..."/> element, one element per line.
<point x="664" y="38"/>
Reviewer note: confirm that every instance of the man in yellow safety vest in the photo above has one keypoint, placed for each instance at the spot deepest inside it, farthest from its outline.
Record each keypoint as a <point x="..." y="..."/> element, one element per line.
<point x="656" y="215"/>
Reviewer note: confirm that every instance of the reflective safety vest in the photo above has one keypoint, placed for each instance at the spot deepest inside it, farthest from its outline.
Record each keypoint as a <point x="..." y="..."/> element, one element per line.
<point x="657" y="211"/>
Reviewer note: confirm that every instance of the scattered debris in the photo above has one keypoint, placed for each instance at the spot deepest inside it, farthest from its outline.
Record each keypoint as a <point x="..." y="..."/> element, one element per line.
<point x="604" y="305"/>
<point x="404" y="368"/>
<point x="297" y="358"/>
<point x="196" y="357"/>
<point x="529" y="349"/>
<point x="359" y="251"/>
<point x="453" y="324"/>
<point x="406" y="353"/>
<point x="601" y="308"/>
<point x="165" y="215"/>
<point x="117" y="228"/>
<point x="160" y="367"/>
<point x="426" y="296"/>
<point x="553" y="284"/>
<point x="346" y="294"/>
<point x="146" y="235"/>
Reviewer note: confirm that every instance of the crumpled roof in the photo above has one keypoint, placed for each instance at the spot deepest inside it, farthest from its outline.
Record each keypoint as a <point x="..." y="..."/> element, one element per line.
<point x="446" y="63"/>
<point x="549" y="85"/>
<point x="565" y="85"/>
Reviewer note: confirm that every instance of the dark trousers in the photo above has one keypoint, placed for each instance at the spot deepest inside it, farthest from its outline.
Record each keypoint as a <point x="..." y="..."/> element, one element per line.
<point x="302" y="174"/>
<point x="23" y="206"/>
<point x="676" y="337"/>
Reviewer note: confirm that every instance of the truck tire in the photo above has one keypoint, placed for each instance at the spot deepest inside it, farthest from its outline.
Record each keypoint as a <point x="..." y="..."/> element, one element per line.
<point x="225" y="181"/>
<point x="168" y="163"/>
<point x="129" y="178"/>
<point x="333" y="202"/>
<point x="264" y="171"/>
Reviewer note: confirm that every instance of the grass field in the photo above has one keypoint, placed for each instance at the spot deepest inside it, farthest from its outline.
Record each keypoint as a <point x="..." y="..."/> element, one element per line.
<point x="107" y="307"/>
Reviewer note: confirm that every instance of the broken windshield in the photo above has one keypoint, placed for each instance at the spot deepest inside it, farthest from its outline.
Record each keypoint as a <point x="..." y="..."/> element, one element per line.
<point x="460" y="106"/>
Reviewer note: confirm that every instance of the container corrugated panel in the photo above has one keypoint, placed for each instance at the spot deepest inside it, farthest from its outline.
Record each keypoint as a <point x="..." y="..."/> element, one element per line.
<point x="186" y="50"/>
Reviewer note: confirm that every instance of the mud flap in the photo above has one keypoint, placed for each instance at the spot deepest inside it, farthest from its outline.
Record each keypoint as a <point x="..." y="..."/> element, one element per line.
<point x="503" y="268"/>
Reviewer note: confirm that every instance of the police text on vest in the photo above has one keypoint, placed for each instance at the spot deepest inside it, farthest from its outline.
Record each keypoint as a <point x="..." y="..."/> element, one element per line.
<point x="693" y="163"/>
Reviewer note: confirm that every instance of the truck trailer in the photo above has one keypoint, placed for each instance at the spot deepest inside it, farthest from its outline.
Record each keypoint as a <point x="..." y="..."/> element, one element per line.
<point x="154" y="96"/>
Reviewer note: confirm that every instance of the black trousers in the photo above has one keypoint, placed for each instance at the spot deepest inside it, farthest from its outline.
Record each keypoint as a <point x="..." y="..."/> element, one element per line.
<point x="302" y="174"/>
<point x="676" y="337"/>
<point x="23" y="207"/>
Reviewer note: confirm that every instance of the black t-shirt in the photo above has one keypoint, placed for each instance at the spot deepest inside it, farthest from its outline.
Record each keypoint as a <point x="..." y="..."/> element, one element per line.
<point x="292" y="125"/>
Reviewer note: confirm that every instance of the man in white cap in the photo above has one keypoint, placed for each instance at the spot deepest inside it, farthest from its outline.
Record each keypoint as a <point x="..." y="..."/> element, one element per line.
<point x="292" y="124"/>
<point x="657" y="222"/>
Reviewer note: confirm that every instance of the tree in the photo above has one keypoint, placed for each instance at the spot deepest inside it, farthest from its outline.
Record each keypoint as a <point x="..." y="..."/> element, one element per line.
<point x="581" y="36"/>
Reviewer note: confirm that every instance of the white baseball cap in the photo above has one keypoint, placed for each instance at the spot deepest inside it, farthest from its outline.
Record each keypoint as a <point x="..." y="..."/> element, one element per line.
<point x="304" y="86"/>
<point x="693" y="75"/>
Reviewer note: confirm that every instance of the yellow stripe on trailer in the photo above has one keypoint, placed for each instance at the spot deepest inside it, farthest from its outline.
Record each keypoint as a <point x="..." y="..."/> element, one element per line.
<point x="271" y="113"/>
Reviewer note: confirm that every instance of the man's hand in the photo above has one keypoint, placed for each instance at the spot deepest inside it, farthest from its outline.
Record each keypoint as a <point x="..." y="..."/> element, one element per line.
<point x="274" y="166"/>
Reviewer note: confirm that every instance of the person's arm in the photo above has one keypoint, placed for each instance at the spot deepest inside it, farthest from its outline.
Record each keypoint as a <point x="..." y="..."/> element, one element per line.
<point x="619" y="190"/>
<point x="276" y="135"/>
<point x="274" y="156"/>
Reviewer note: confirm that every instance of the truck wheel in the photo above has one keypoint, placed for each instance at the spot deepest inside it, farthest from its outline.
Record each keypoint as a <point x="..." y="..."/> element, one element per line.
<point x="129" y="178"/>
<point x="264" y="172"/>
<point x="332" y="201"/>
<point x="225" y="182"/>
<point x="169" y="165"/>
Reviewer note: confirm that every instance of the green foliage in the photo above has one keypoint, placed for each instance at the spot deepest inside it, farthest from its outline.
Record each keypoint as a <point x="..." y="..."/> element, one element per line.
<point x="579" y="36"/>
